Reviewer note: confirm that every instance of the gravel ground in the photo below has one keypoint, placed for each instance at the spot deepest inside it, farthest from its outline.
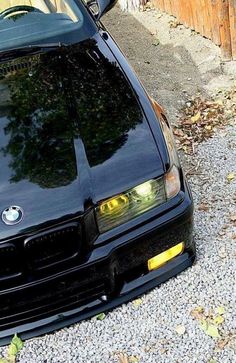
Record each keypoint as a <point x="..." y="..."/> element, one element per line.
<point x="159" y="327"/>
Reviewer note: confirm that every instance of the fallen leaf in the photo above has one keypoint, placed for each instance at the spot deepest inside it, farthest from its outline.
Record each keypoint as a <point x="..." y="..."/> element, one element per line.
<point x="174" y="23"/>
<point x="203" y="207"/>
<point x="210" y="329"/>
<point x="219" y="102"/>
<point x="212" y="361"/>
<point x="180" y="329"/>
<point x="137" y="302"/>
<point x="208" y="127"/>
<point x="123" y="358"/>
<point x="100" y="316"/>
<point x="178" y="132"/>
<point x="218" y="320"/>
<point x="222" y="252"/>
<point x="163" y="350"/>
<point x="196" y="118"/>
<point x="221" y="310"/>
<point x="230" y="177"/>
<point x="197" y="313"/>
<point x="133" y="359"/>
<point x="14" y="348"/>
<point x="156" y="43"/>
<point x="222" y="343"/>
<point x="233" y="218"/>
<point x="203" y="324"/>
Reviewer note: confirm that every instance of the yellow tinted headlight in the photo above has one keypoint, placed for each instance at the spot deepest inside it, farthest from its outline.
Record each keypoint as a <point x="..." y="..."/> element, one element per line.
<point x="116" y="205"/>
<point x="124" y="207"/>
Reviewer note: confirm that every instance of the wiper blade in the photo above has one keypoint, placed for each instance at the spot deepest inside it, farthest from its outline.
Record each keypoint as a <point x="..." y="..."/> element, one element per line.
<point x="47" y="45"/>
<point x="29" y="48"/>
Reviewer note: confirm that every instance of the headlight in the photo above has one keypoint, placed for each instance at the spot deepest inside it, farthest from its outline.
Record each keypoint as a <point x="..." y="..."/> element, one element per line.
<point x="124" y="207"/>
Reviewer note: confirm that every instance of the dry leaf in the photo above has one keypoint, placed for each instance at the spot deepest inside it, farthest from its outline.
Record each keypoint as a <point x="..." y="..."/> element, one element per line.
<point x="230" y="177"/>
<point x="137" y="302"/>
<point x="133" y="359"/>
<point x="197" y="313"/>
<point x="196" y="118"/>
<point x="203" y="207"/>
<point x="210" y="329"/>
<point x="180" y="329"/>
<point x="219" y="102"/>
<point x="221" y="310"/>
<point x="218" y="320"/>
<point x="222" y="343"/>
<point x="123" y="358"/>
<point x="202" y="116"/>
<point x="233" y="218"/>
<point x="174" y="23"/>
<point x="178" y="132"/>
<point x="163" y="350"/>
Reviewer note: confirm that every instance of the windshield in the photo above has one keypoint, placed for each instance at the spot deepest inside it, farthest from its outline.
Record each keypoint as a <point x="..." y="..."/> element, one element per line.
<point x="29" y="21"/>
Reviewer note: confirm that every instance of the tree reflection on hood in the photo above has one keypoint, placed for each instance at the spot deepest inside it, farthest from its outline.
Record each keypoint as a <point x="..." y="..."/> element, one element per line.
<point x="72" y="92"/>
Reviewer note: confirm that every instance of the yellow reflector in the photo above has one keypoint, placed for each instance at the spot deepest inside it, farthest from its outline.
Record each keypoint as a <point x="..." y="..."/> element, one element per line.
<point x="165" y="256"/>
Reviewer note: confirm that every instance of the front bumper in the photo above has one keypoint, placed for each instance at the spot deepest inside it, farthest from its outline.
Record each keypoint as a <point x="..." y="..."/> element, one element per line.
<point x="115" y="273"/>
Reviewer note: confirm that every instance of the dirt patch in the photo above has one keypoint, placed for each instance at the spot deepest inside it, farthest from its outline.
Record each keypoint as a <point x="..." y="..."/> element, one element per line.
<point x="173" y="62"/>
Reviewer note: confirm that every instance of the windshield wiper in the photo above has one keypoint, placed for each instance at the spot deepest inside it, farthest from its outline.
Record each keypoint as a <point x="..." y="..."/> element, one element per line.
<point x="47" y="45"/>
<point x="29" y="48"/>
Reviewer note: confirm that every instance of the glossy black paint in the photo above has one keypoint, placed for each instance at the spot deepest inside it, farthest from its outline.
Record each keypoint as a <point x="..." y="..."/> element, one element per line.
<point x="76" y="127"/>
<point x="71" y="134"/>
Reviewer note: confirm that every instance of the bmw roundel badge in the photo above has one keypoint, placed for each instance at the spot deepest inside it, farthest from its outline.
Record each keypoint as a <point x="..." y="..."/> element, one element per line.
<point x="12" y="215"/>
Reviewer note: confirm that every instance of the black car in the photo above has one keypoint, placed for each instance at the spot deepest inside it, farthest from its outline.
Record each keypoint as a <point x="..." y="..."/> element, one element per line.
<point x="95" y="209"/>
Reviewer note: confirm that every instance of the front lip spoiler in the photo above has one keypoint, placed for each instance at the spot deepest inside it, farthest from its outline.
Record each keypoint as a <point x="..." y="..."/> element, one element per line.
<point x="129" y="291"/>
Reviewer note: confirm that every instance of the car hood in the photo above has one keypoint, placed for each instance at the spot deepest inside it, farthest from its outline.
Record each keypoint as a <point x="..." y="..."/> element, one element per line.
<point x="71" y="133"/>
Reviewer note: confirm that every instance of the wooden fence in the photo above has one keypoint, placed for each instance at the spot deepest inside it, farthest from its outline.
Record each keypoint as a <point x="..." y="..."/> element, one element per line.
<point x="214" y="19"/>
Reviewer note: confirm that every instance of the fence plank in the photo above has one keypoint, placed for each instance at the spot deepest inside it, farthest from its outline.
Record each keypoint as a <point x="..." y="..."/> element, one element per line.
<point x="197" y="15"/>
<point x="177" y="9"/>
<point x="215" y="22"/>
<point x="232" y="19"/>
<point x="162" y="5"/>
<point x="201" y="17"/>
<point x="167" y="6"/>
<point x="215" y="19"/>
<point x="185" y="12"/>
<point x="207" y="20"/>
<point x="191" y="20"/>
<point x="225" y="35"/>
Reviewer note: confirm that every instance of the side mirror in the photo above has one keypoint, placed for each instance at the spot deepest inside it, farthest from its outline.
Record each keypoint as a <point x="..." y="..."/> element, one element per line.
<point x="100" y="7"/>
